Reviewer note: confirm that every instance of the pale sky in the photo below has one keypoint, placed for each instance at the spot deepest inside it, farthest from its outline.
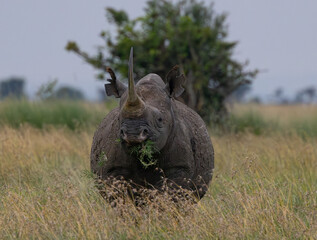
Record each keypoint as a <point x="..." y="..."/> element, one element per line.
<point x="276" y="36"/>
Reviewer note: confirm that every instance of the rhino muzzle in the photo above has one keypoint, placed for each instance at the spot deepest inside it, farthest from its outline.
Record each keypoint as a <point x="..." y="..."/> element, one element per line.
<point x="133" y="138"/>
<point x="134" y="131"/>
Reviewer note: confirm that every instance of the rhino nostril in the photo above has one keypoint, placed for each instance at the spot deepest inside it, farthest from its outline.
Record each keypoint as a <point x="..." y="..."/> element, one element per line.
<point x="144" y="134"/>
<point x="123" y="133"/>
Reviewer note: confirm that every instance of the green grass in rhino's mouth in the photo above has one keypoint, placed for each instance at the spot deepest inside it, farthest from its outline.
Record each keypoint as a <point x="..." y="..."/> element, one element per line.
<point x="145" y="152"/>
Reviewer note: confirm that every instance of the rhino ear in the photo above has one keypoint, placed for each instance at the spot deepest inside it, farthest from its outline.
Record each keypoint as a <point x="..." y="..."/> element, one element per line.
<point x="114" y="87"/>
<point x="174" y="82"/>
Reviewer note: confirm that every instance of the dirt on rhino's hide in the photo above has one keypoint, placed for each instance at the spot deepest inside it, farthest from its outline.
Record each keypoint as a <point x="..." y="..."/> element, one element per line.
<point x="148" y="111"/>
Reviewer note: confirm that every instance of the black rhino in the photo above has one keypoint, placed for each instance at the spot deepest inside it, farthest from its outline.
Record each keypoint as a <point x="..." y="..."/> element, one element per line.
<point x="149" y="112"/>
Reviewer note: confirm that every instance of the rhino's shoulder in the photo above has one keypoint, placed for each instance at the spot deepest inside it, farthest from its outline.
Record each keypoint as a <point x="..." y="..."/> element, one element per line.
<point x="188" y="115"/>
<point x="110" y="117"/>
<point x="105" y="136"/>
<point x="193" y="126"/>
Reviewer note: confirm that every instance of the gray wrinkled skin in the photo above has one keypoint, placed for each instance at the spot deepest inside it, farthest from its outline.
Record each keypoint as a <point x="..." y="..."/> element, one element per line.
<point x="186" y="153"/>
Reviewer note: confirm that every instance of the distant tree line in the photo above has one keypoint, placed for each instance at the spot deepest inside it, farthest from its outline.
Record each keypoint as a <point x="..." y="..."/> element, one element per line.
<point x="50" y="91"/>
<point x="306" y="95"/>
<point x="14" y="87"/>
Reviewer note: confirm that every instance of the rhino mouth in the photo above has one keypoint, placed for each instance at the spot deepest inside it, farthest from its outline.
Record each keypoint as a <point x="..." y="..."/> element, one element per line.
<point x="129" y="142"/>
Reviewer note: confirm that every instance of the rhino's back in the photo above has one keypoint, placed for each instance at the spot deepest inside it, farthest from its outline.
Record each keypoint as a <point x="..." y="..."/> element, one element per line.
<point x="200" y="141"/>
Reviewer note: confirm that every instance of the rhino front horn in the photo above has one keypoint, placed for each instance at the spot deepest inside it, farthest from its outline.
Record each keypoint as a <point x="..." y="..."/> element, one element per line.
<point x="134" y="104"/>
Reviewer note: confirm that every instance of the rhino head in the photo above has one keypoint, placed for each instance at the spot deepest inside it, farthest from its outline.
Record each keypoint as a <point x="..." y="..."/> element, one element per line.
<point x="146" y="111"/>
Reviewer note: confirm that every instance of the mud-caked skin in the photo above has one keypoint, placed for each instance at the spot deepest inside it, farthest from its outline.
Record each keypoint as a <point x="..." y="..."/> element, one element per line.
<point x="148" y="111"/>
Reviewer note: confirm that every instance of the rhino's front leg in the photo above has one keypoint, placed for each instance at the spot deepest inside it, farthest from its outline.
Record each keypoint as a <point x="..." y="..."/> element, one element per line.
<point x="115" y="186"/>
<point x="119" y="173"/>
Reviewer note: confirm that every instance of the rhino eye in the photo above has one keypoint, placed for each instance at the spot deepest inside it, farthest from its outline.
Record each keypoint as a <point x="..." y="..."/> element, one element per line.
<point x="160" y="119"/>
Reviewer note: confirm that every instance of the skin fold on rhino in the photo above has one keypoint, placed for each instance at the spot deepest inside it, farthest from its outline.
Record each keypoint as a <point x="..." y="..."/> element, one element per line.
<point x="149" y="111"/>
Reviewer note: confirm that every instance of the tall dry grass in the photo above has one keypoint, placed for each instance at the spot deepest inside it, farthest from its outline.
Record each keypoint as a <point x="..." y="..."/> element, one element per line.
<point x="264" y="187"/>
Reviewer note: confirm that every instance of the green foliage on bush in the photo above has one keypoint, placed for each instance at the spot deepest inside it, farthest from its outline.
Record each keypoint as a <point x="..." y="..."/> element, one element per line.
<point x="185" y="32"/>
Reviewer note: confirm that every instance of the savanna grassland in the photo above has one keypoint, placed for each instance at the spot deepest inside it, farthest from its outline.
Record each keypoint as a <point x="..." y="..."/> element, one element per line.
<point x="264" y="185"/>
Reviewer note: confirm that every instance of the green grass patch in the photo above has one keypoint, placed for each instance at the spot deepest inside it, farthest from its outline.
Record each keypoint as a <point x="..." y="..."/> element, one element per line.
<point x="70" y="114"/>
<point x="305" y="128"/>
<point x="251" y="122"/>
<point x="78" y="115"/>
<point x="256" y="123"/>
